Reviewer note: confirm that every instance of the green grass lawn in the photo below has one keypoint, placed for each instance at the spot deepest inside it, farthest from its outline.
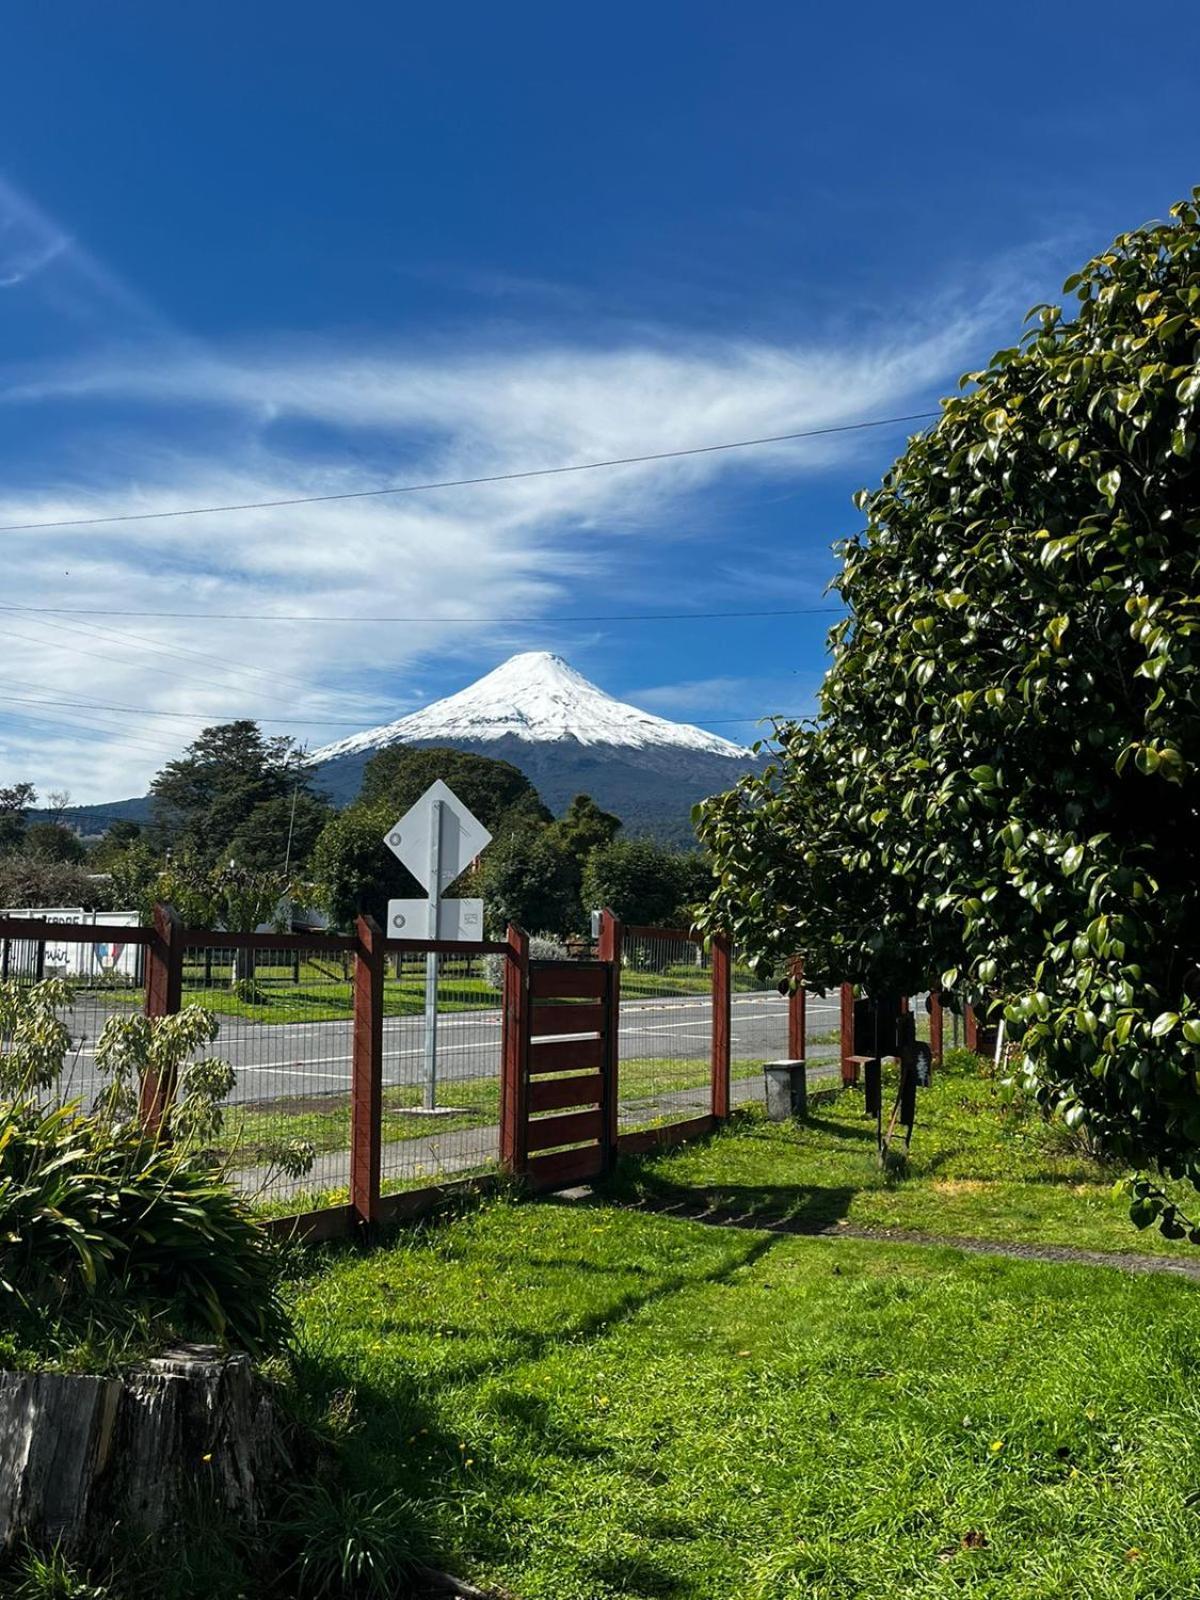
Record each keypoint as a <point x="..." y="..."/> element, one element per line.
<point x="980" y="1167"/>
<point x="584" y="1402"/>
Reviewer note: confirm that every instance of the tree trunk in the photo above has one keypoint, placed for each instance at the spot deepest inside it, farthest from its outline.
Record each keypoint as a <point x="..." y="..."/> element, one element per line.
<point x="80" y="1455"/>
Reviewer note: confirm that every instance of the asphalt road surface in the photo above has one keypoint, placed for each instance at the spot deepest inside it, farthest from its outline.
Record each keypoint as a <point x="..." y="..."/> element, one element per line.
<point x="291" y="1060"/>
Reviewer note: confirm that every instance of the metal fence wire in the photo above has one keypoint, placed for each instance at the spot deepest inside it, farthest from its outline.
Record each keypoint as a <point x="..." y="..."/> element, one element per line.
<point x="665" y="1071"/>
<point x="286" y="1024"/>
<point x="441" y="1095"/>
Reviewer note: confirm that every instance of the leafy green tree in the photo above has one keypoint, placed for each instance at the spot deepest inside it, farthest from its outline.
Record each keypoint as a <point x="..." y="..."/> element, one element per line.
<point x="293" y="821"/>
<point x="584" y="827"/>
<point x="641" y="881"/>
<point x="527" y="877"/>
<point x="230" y="781"/>
<point x="492" y="790"/>
<point x="51" y="841"/>
<point x="15" y="801"/>
<point x="353" y="871"/>
<point x="133" y="875"/>
<point x="1002" y="785"/>
<point x="119" y="837"/>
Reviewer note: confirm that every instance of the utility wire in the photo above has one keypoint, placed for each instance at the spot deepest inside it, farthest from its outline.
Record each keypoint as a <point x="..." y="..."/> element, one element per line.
<point x="464" y="622"/>
<point x="464" y="483"/>
<point x="297" y="721"/>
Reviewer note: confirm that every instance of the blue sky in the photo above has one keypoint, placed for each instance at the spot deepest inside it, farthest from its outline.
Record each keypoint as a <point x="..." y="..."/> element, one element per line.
<point x="250" y="252"/>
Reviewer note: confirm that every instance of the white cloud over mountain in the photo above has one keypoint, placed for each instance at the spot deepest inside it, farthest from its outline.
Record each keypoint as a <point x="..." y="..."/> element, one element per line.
<point x="153" y="423"/>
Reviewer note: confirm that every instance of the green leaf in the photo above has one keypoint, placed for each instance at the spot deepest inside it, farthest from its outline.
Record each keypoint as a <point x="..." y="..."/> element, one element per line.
<point x="1163" y="1024"/>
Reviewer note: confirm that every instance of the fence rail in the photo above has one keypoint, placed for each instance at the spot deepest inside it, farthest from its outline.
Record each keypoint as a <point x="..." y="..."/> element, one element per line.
<point x="651" y="1040"/>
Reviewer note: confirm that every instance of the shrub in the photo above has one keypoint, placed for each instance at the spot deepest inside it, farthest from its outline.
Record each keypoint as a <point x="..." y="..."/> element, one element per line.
<point x="542" y="947"/>
<point x="96" y="1211"/>
<point x="91" y="1205"/>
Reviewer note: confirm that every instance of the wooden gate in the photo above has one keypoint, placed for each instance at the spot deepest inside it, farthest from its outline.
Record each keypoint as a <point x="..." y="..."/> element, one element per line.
<point x="557" y="1112"/>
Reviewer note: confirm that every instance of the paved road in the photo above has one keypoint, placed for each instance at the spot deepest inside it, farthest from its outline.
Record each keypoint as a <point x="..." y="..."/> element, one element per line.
<point x="291" y="1060"/>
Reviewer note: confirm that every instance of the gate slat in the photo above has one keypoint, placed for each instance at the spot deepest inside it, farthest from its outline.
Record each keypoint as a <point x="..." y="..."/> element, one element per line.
<point x="559" y="1094"/>
<point x="563" y="982"/>
<point x="548" y="1020"/>
<point x="567" y="1055"/>
<point x="578" y="1127"/>
<point x="566" y="1167"/>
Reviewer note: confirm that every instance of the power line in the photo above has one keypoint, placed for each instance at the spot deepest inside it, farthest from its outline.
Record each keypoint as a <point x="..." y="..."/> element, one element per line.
<point x="465" y="483"/>
<point x="477" y="622"/>
<point x="297" y="721"/>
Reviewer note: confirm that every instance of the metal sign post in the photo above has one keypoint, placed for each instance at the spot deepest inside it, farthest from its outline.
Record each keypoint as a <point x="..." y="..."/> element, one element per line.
<point x="436" y="839"/>
<point x="431" y="960"/>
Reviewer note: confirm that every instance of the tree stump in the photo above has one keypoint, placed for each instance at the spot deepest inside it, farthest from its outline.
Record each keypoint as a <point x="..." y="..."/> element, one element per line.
<point x="81" y="1454"/>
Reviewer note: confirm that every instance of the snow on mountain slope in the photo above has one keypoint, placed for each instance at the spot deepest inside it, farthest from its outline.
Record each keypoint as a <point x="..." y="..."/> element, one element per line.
<point x="538" y="698"/>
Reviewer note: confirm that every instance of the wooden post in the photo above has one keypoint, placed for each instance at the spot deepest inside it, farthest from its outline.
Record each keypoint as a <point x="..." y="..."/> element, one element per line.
<point x="936" y="1027"/>
<point x="849" y="1065"/>
<point x="722" y="1024"/>
<point x="797" y="1013"/>
<point x="609" y="948"/>
<point x="514" y="1068"/>
<point x="366" y="1072"/>
<point x="164" y="996"/>
<point x="970" y="1029"/>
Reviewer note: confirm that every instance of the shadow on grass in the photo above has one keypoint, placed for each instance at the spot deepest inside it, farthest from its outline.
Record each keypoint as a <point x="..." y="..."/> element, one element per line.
<point x="398" y="1439"/>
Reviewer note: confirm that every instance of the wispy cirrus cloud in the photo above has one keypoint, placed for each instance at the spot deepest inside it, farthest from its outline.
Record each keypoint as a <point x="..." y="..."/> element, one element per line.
<point x="146" y="420"/>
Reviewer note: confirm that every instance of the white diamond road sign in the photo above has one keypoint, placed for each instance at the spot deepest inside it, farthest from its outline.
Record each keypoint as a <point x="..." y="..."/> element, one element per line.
<point x="463" y="837"/>
<point x="437" y="840"/>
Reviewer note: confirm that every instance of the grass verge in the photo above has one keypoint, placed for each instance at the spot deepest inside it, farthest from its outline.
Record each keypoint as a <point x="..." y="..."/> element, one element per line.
<point x="983" y="1165"/>
<point x="587" y="1402"/>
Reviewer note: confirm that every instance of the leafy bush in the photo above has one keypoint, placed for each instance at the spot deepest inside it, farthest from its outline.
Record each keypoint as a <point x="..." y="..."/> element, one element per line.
<point x="89" y="1204"/>
<point x="95" y="1209"/>
<point x="542" y="947"/>
<point x="1002" y="785"/>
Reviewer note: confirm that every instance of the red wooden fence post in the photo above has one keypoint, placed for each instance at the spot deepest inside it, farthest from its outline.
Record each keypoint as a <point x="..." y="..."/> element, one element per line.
<point x="722" y="1024"/>
<point x="849" y="1065"/>
<point x="366" y="1071"/>
<point x="797" y="1013"/>
<point x="164" y="996"/>
<point x="514" y="1073"/>
<point x="936" y="1027"/>
<point x="609" y="948"/>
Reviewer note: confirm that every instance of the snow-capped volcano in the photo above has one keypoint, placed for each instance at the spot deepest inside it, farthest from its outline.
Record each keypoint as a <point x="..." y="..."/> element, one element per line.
<point x="568" y="737"/>
<point x="538" y="698"/>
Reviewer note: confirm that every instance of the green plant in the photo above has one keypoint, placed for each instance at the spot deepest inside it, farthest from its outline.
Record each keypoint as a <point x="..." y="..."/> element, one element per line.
<point x="349" y="1544"/>
<point x="90" y="1204"/>
<point x="1002" y="784"/>
<point x="37" y="1575"/>
<point x="33" y="1037"/>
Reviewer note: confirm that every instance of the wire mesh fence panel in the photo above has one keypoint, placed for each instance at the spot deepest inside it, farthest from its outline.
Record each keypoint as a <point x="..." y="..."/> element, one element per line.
<point x="665" y="1072"/>
<point x="441" y="1083"/>
<point x="101" y="981"/>
<point x="286" y="1028"/>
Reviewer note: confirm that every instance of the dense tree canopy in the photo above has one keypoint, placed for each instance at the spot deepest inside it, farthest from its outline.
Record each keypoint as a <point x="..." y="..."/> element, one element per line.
<point x="15" y="801"/>
<point x="492" y="790"/>
<point x="233" y="789"/>
<point x="645" y="883"/>
<point x="1002" y="784"/>
<point x="353" y="869"/>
